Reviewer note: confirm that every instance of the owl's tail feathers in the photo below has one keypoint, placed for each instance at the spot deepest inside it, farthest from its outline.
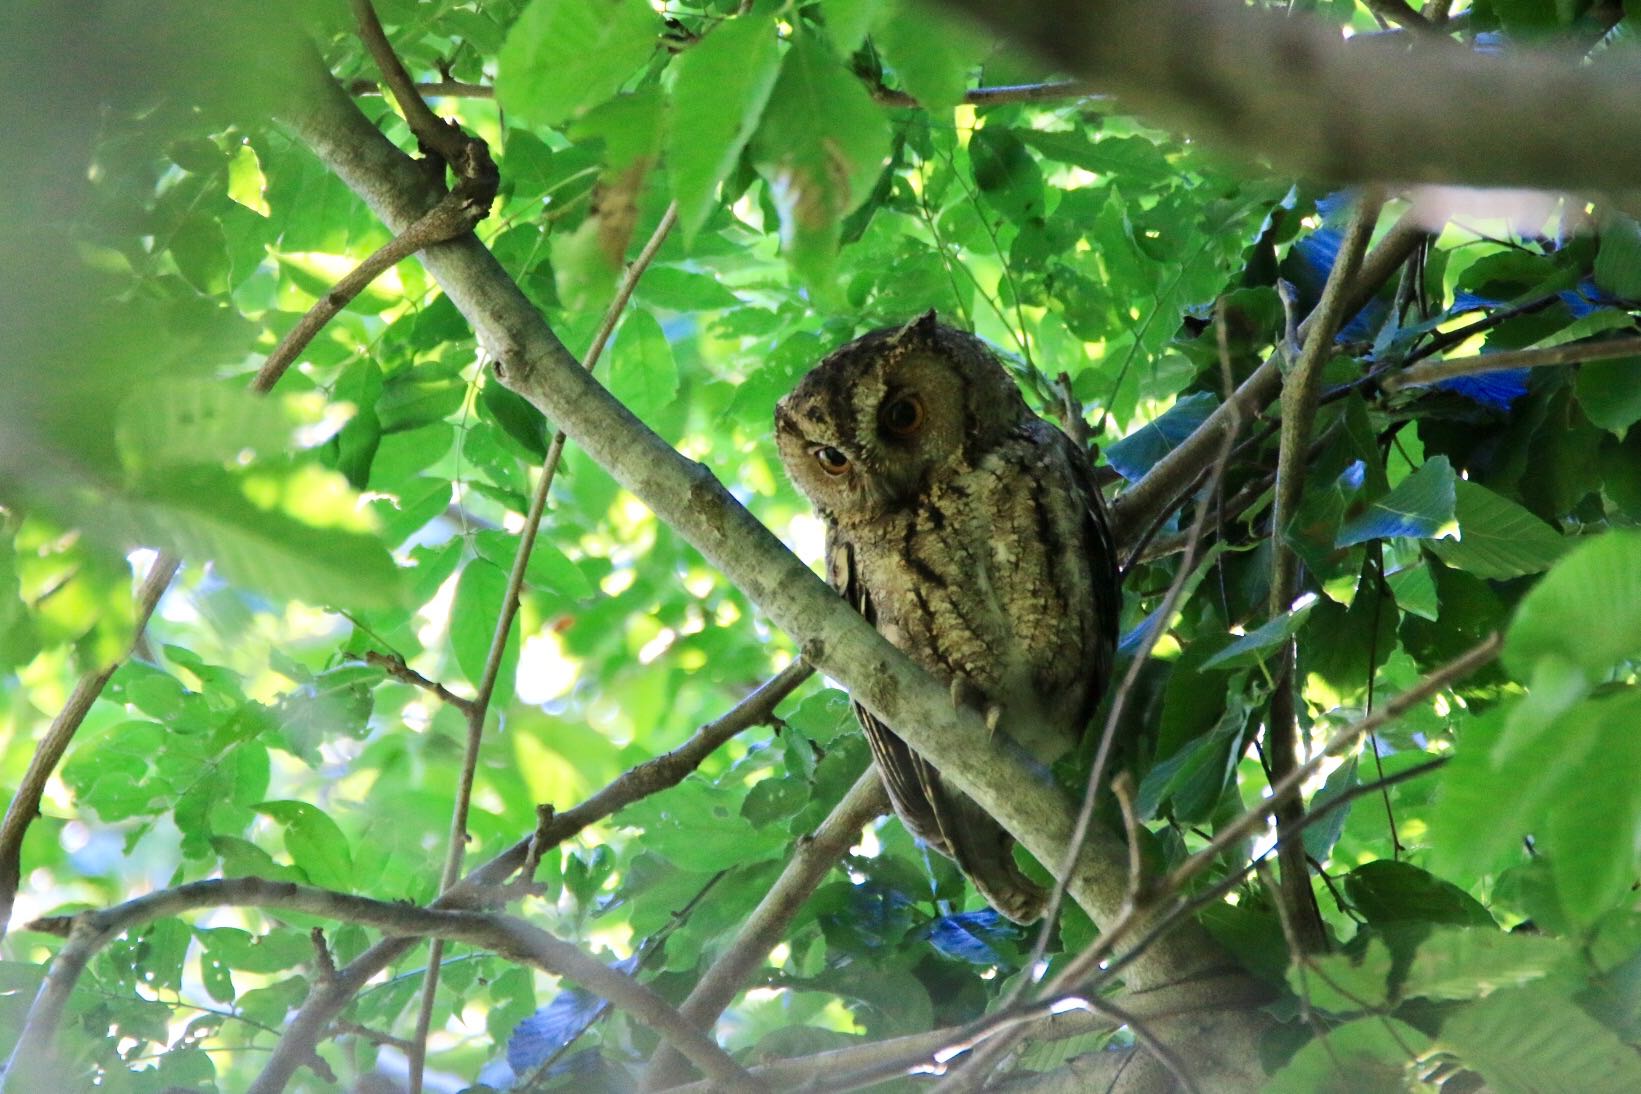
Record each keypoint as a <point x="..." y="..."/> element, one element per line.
<point x="985" y="852"/>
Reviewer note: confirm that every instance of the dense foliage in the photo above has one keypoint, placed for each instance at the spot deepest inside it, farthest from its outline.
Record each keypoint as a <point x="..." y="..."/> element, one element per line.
<point x="829" y="176"/>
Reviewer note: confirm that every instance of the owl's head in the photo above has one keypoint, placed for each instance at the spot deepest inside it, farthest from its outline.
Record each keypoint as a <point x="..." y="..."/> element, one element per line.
<point x="883" y="417"/>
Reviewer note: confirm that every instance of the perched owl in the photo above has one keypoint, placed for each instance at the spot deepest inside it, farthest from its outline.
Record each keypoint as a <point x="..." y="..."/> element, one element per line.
<point x="971" y="534"/>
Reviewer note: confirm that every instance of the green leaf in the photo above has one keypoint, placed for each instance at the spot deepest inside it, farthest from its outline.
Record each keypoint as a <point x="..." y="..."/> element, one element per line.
<point x="1586" y="611"/>
<point x="820" y="148"/>
<point x="1467" y="963"/>
<point x="178" y="422"/>
<point x="1363" y="1056"/>
<point x="930" y="52"/>
<point x="643" y="374"/>
<point x="718" y="98"/>
<point x="697" y="826"/>
<point x="315" y="843"/>
<point x="1387" y="891"/>
<point x="473" y="614"/>
<point x="1251" y="648"/>
<point x="517" y="416"/>
<point x="1420" y="506"/>
<point x="1529" y="1039"/>
<point x="204" y="515"/>
<point x="1609" y="394"/>
<point x="1618" y="262"/>
<point x="1341" y="984"/>
<point x="1497" y="538"/>
<point x="548" y="567"/>
<point x="563" y="56"/>
<point x="685" y="291"/>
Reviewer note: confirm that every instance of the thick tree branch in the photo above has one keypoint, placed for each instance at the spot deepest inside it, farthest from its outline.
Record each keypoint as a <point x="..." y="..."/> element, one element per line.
<point x="1345" y="111"/>
<point x="31" y="1062"/>
<point x="330" y="995"/>
<point x="685" y="495"/>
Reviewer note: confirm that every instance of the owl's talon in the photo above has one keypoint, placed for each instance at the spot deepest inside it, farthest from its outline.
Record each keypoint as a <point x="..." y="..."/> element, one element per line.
<point x="994" y="716"/>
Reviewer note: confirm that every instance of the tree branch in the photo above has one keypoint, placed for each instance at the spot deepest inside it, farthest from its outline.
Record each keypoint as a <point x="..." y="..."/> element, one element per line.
<point x="1575" y="353"/>
<point x="31" y="1062"/>
<point x="25" y="803"/>
<point x="1348" y="111"/>
<point x="815" y="856"/>
<point x="329" y="996"/>
<point x="1300" y="391"/>
<point x="684" y="494"/>
<point x="1147" y="501"/>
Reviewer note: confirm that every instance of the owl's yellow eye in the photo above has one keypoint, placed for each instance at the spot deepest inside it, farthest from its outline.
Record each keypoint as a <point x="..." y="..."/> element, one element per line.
<point x="903" y="416"/>
<point x="831" y="460"/>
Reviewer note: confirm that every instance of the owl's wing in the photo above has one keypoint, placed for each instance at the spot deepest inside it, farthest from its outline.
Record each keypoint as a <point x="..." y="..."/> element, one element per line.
<point x="902" y="770"/>
<point x="1104" y="580"/>
<point x="946" y="819"/>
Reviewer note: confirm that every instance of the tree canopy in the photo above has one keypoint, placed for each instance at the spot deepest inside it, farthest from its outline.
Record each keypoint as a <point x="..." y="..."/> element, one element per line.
<point x="415" y="669"/>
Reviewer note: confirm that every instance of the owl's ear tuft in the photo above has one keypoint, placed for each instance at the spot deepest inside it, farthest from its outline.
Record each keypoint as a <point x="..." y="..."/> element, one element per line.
<point x="924" y="330"/>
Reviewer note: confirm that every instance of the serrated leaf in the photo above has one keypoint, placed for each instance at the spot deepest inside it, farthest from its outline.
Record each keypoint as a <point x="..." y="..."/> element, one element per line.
<point x="1138" y="452"/>
<point x="1497" y="538"/>
<point x="1341" y="984"/>
<point x="1365" y="1055"/>
<point x="1468" y="963"/>
<point x="563" y="56"/>
<point x="931" y="53"/>
<point x="315" y="843"/>
<point x="820" y="146"/>
<point x="718" y="98"/>
<point x="643" y="374"/>
<point x="204" y="515"/>
<point x="180" y="422"/>
<point x="1531" y="1039"/>
<point x="1586" y="610"/>
<point x="1420" y="507"/>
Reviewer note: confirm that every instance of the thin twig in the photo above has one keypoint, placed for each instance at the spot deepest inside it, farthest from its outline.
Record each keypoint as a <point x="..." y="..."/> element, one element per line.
<point x="394" y="666"/>
<point x="430" y="89"/>
<point x="326" y="1000"/>
<point x="1001" y="94"/>
<point x="1300" y="392"/>
<point x="89" y="932"/>
<point x="25" y="803"/>
<point x="1574" y="353"/>
<point x="814" y="858"/>
<point x="476" y="712"/>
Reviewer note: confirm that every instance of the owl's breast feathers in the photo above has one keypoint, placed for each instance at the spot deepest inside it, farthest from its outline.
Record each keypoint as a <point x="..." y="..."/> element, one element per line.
<point x="1002" y="575"/>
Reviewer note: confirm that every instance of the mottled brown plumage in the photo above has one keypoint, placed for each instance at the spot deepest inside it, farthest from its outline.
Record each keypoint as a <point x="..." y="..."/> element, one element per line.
<point x="970" y="532"/>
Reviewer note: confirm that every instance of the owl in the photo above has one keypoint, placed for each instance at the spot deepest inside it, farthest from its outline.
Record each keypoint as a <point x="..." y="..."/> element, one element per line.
<point x="971" y="534"/>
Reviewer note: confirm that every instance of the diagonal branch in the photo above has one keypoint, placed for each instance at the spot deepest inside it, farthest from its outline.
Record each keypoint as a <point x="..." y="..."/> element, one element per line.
<point x="25" y="803"/>
<point x="31" y="1062"/>
<point x="815" y="856"/>
<point x="331" y="994"/>
<point x="684" y="494"/>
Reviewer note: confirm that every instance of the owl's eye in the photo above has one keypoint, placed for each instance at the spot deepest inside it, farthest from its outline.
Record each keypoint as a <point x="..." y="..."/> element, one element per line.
<point x="904" y="416"/>
<point x="831" y="460"/>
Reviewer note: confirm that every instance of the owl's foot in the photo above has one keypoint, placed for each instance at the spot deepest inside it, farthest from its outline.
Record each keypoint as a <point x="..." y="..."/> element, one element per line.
<point x="967" y="695"/>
